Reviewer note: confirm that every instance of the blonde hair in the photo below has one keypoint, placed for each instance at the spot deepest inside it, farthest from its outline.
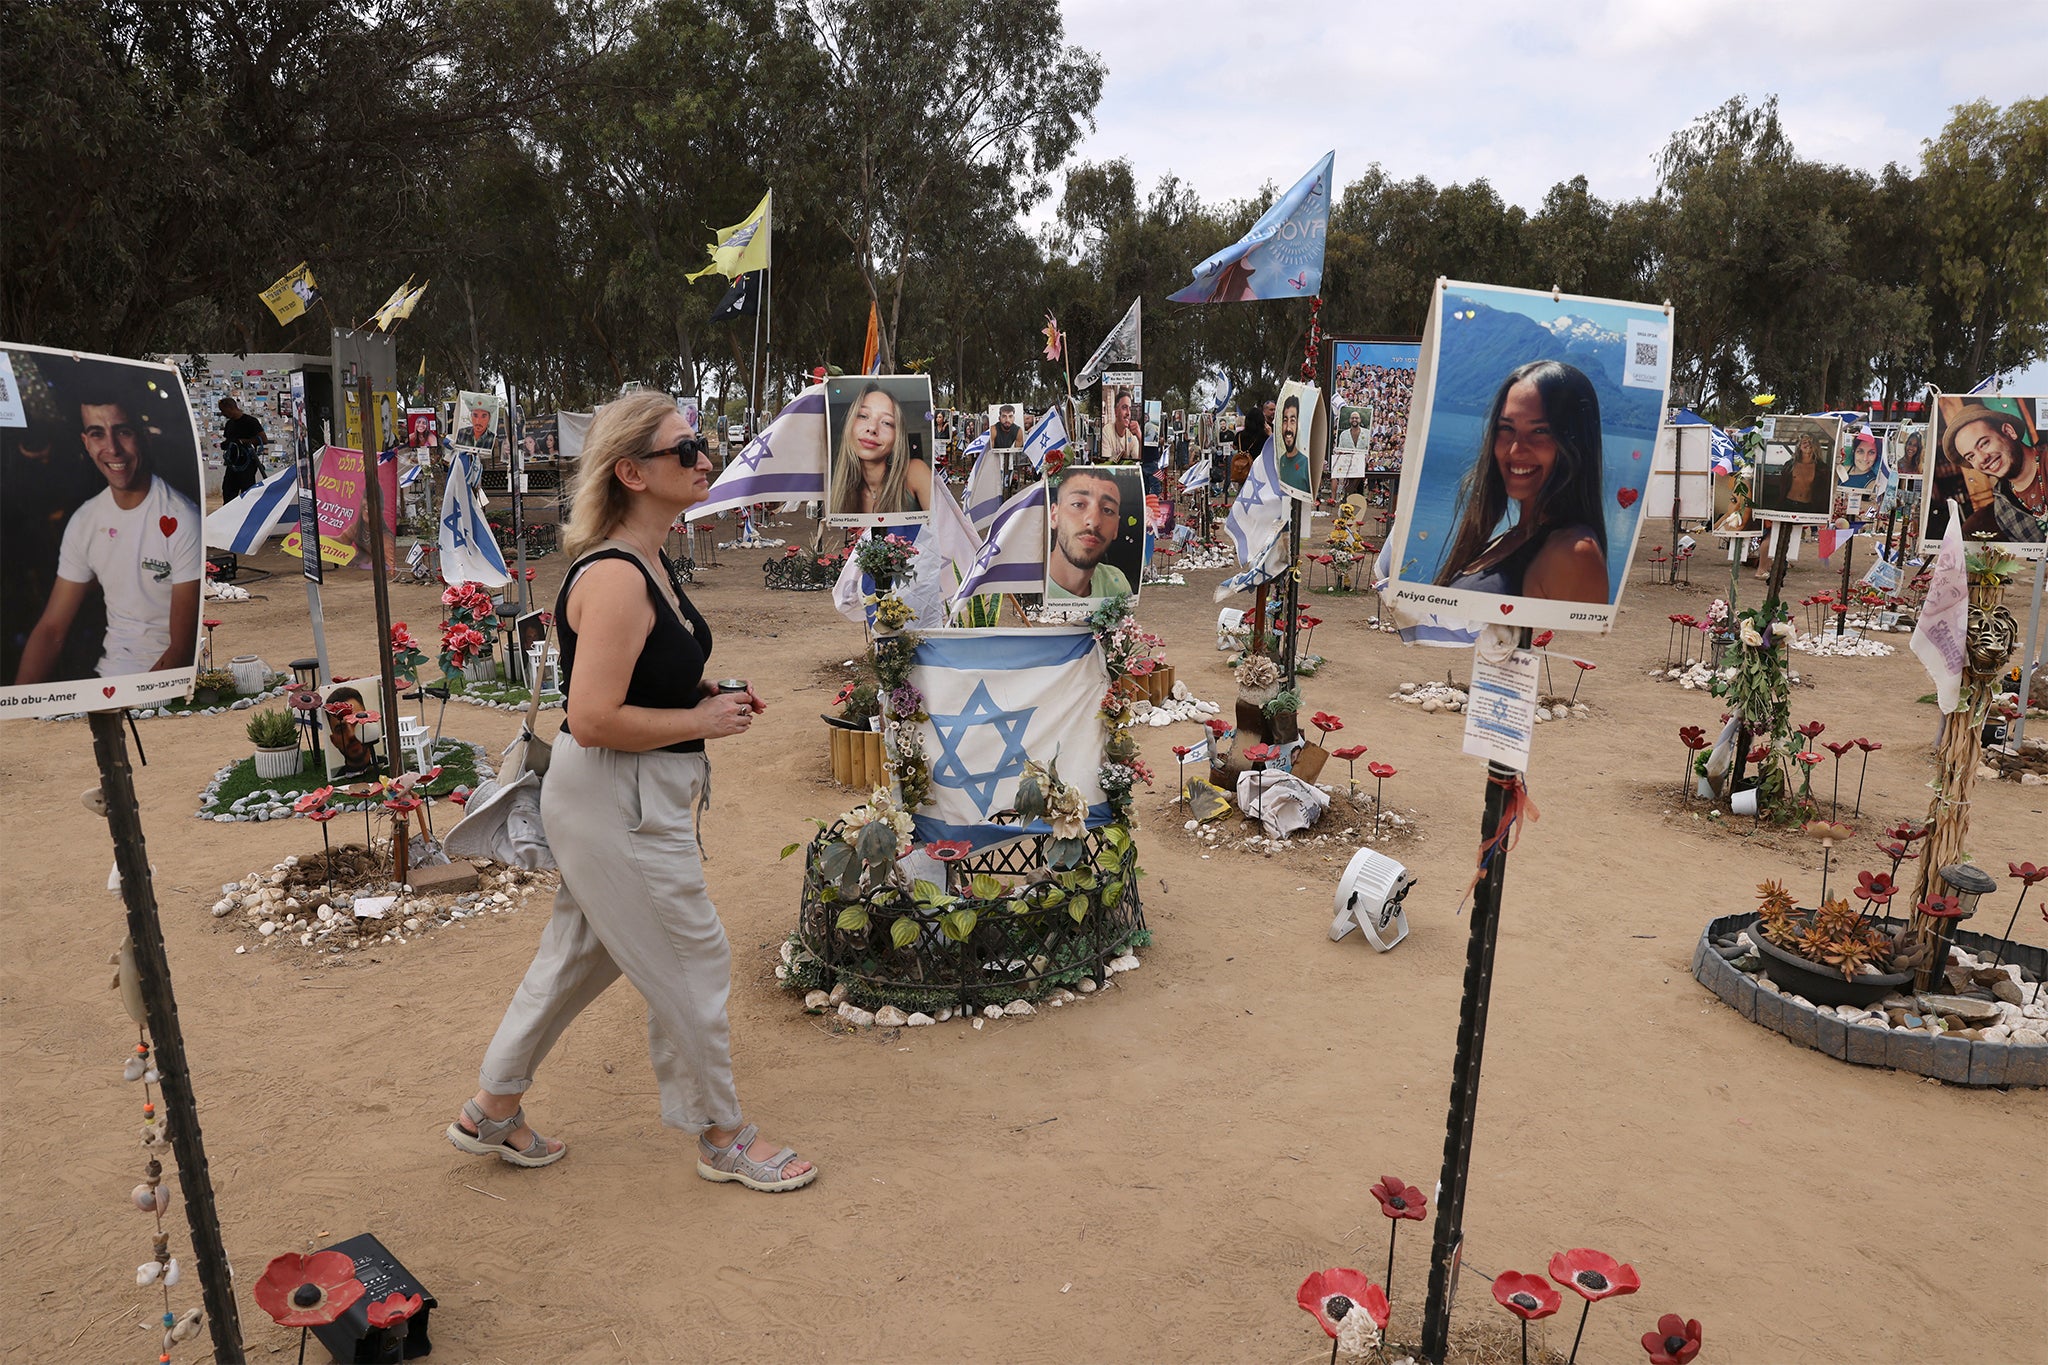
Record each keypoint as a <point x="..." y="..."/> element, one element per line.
<point x="846" y="475"/>
<point x="624" y="430"/>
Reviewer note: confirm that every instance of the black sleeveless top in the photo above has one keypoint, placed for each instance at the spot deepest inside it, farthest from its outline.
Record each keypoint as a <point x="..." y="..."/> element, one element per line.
<point x="670" y="669"/>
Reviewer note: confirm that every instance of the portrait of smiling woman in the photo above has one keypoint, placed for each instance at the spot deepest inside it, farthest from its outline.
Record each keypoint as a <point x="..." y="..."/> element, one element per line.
<point x="881" y="438"/>
<point x="1541" y="455"/>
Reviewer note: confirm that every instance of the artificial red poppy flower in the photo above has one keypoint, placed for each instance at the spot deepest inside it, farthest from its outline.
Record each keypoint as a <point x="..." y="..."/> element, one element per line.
<point x="1528" y="1297"/>
<point x="394" y="1308"/>
<point x="1838" y="749"/>
<point x="1941" y="907"/>
<point x="1543" y="639"/>
<point x="1400" y="1201"/>
<point x="2027" y="872"/>
<point x="312" y="799"/>
<point x="1182" y="750"/>
<point x="1811" y="729"/>
<point x="1593" y="1275"/>
<point x="338" y="708"/>
<point x="459" y="798"/>
<point x="1381" y="770"/>
<point x="1868" y="746"/>
<point x="209" y="623"/>
<point x="845" y="695"/>
<point x="1692" y="737"/>
<point x="402" y="805"/>
<point x="1584" y="665"/>
<point x="1675" y="618"/>
<point x="1675" y="1342"/>
<point x="1218" y="726"/>
<point x="1909" y="832"/>
<point x="949" y="850"/>
<point x="1308" y="622"/>
<point x="1261" y="753"/>
<point x="1350" y="754"/>
<point x="322" y="815"/>
<point x="1760" y="753"/>
<point x="1325" y="722"/>
<point x="1896" y="850"/>
<point x="1809" y="757"/>
<point x="1333" y="1295"/>
<point x="1876" y="887"/>
<point x="1326" y="559"/>
<point x="308" y="1291"/>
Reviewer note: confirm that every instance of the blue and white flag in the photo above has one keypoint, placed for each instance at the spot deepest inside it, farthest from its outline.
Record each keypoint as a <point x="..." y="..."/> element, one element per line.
<point x="1257" y="526"/>
<point x="1047" y="434"/>
<point x="1421" y="628"/>
<point x="784" y="463"/>
<point x="1281" y="257"/>
<point x="976" y="446"/>
<point x="1722" y="452"/>
<point x="245" y="523"/>
<point x="996" y="698"/>
<point x="469" y="552"/>
<point x="411" y="476"/>
<point x="1012" y="559"/>
<point x="1196" y="478"/>
<point x="1984" y="385"/>
<point x="984" y="490"/>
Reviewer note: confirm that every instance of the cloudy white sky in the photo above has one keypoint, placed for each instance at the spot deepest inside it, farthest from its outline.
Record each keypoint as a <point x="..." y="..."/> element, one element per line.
<point x="1228" y="95"/>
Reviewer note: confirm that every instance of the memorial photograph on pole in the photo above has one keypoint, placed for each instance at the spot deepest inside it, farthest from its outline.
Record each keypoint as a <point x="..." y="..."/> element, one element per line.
<point x="103" y="551"/>
<point x="1988" y="457"/>
<point x="1095" y="533"/>
<point x="1795" y="479"/>
<point x="880" y="433"/>
<point x="1535" y="418"/>
<point x="1123" y="410"/>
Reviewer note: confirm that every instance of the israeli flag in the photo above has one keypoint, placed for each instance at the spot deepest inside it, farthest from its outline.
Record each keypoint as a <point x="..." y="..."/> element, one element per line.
<point x="244" y="524"/>
<point x="469" y="552"/>
<point x="1257" y="526"/>
<point x="984" y="486"/>
<point x="1984" y="385"/>
<point x="784" y="463"/>
<point x="977" y="445"/>
<point x="1723" y="452"/>
<point x="1012" y="559"/>
<point x="946" y="547"/>
<point x="412" y="476"/>
<point x="1196" y="478"/>
<point x="1047" y="434"/>
<point x="995" y="699"/>
<point x="1421" y="628"/>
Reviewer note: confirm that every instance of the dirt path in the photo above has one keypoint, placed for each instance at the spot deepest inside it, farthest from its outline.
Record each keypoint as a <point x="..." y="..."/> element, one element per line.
<point x="1146" y="1176"/>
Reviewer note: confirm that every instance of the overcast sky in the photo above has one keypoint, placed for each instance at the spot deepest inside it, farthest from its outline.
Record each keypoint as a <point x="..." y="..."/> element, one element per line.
<point x="1228" y="95"/>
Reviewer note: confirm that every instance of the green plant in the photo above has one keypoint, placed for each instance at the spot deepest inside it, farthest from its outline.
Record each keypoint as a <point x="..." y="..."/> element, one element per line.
<point x="1832" y="936"/>
<point x="1287" y="699"/>
<point x="214" y="680"/>
<point x="273" y="730"/>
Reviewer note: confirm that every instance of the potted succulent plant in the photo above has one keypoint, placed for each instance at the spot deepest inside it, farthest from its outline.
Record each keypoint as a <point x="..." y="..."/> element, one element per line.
<point x="210" y="684"/>
<point x="1833" y="955"/>
<point x="276" y="737"/>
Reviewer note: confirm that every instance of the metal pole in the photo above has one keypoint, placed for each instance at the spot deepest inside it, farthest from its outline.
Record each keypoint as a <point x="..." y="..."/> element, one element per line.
<point x="754" y="371"/>
<point x="514" y="427"/>
<point x="160" y="1013"/>
<point x="768" y="307"/>
<point x="309" y="543"/>
<point x="2030" y="659"/>
<point x="1848" y="548"/>
<point x="1293" y="588"/>
<point x="1447" y="1242"/>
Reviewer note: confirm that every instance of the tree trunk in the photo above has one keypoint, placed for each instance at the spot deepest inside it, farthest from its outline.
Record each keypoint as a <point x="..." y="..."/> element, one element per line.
<point x="1955" y="772"/>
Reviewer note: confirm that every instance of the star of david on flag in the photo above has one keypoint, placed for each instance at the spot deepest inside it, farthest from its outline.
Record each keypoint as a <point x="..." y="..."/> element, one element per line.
<point x="469" y="552"/>
<point x="996" y="699"/>
<point x="784" y="463"/>
<point x="1257" y="526"/>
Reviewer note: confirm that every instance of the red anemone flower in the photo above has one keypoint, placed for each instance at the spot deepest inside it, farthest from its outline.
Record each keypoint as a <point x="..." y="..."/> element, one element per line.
<point x="1325" y="722"/>
<point x="1333" y="1295"/>
<point x="1182" y="750"/>
<point x="1528" y="1297"/>
<point x="1400" y="1201"/>
<point x="1261" y="753"/>
<point x="312" y="799"/>
<point x="1218" y="726"/>
<point x="1584" y="665"/>
<point x="322" y="815"/>
<point x="949" y="850"/>
<point x="308" y="1291"/>
<point x="1381" y="769"/>
<point x="394" y="1308"/>
<point x="1811" y="729"/>
<point x="2027" y="872"/>
<point x="1838" y="749"/>
<point x="1350" y="754"/>
<point x="1692" y="737"/>
<point x="1760" y="753"/>
<point x="1868" y="746"/>
<point x="1875" y="887"/>
<point x="1543" y="638"/>
<point x="1675" y="1342"/>
<point x="1941" y="907"/>
<point x="1593" y="1275"/>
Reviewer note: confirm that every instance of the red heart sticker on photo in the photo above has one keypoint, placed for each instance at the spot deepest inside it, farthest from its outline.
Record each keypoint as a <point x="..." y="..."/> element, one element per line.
<point x="167" y="524"/>
<point x="106" y="691"/>
<point x="1635" y="454"/>
<point x="1626" y="497"/>
<point x="1506" y="608"/>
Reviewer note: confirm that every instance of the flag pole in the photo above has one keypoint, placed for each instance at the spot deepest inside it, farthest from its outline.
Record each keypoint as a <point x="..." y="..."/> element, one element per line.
<point x="768" y="308"/>
<point x="754" y="374"/>
<point x="513" y="429"/>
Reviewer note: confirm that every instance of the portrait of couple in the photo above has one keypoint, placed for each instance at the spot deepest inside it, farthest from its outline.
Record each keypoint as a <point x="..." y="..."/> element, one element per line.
<point x="103" y="543"/>
<point x="881" y="437"/>
<point x="1525" y="503"/>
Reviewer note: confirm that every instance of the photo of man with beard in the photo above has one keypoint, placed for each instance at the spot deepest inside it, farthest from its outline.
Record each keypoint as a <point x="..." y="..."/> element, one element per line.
<point x="1095" y="533"/>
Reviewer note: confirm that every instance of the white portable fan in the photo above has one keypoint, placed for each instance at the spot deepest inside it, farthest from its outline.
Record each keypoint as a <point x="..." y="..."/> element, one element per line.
<point x="1369" y="897"/>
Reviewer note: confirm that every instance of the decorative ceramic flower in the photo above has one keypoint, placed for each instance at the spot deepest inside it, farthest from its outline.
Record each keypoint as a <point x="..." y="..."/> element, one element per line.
<point x="312" y="800"/>
<point x="1760" y="753"/>
<point x="1181" y="751"/>
<point x="1542" y="638"/>
<point x="1693" y="737"/>
<point x="395" y="1308"/>
<point x="1350" y="754"/>
<point x="1400" y="1201"/>
<point x="2027" y="872"/>
<point x="1868" y="746"/>
<point x="1528" y="1297"/>
<point x="1593" y="1275"/>
<point x="1809" y="757"/>
<point x="1941" y="907"/>
<point x="949" y="850"/>
<point x="1333" y="1295"/>
<point x="1328" y="724"/>
<point x="322" y="815"/>
<point x="1675" y="1342"/>
<point x="1218" y="726"/>
<point x="1261" y="753"/>
<point x="1584" y="666"/>
<point x="1876" y="887"/>
<point x="1838" y="749"/>
<point x="308" y="1291"/>
<point x="1811" y="729"/>
<point x="1828" y="832"/>
<point x="1381" y="770"/>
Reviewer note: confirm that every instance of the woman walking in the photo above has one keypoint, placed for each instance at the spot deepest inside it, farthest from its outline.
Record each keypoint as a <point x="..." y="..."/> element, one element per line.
<point x="625" y="791"/>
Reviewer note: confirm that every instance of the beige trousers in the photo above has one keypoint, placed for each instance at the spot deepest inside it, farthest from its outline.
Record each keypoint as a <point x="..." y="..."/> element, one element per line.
<point x="623" y="828"/>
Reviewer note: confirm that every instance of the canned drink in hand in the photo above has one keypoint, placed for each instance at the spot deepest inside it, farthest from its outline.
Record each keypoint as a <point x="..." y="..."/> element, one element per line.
<point x="732" y="686"/>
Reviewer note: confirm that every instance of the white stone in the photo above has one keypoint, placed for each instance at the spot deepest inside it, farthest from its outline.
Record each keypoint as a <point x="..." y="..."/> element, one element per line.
<point x="838" y="993"/>
<point x="1432" y="704"/>
<point x="918" y="1020"/>
<point x="241" y="948"/>
<point x="781" y="968"/>
<point x="788" y="951"/>
<point x="267" y="928"/>
<point x="945" y="1013"/>
<point x="222" y="907"/>
<point x="890" y="1017"/>
<point x="1997" y="1033"/>
<point x="1019" y="1007"/>
<point x="978" y="1023"/>
<point x="1086" y="985"/>
<point x="1406" y="688"/>
<point x="817" y="1000"/>
<point x="1127" y="963"/>
<point x="2027" y="1037"/>
<point x="991" y="1011"/>
<point x="412" y="926"/>
<point x="856" y="1016"/>
<point x="1192" y="824"/>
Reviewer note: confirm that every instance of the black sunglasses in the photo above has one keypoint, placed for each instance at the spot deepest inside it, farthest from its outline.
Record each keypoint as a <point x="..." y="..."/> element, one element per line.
<point x="687" y="451"/>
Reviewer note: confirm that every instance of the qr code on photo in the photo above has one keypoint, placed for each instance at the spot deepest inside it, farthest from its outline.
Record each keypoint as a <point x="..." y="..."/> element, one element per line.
<point x="6" y="390"/>
<point x="1646" y="352"/>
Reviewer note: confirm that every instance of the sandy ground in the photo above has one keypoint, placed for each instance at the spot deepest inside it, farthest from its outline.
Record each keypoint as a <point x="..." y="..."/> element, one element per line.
<point x="1146" y="1176"/>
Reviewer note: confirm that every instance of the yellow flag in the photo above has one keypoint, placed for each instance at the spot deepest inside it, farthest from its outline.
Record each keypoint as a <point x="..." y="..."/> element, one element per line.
<point x="291" y="295"/>
<point x="743" y="247"/>
<point x="389" y="312"/>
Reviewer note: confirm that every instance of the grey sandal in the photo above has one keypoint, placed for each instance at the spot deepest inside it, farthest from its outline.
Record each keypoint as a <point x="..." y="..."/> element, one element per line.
<point x="489" y="1138"/>
<point x="733" y="1163"/>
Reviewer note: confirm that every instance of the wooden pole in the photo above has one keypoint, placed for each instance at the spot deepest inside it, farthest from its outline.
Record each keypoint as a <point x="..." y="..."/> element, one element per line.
<point x="386" y="675"/>
<point x="160" y="1014"/>
<point x="1848" y="549"/>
